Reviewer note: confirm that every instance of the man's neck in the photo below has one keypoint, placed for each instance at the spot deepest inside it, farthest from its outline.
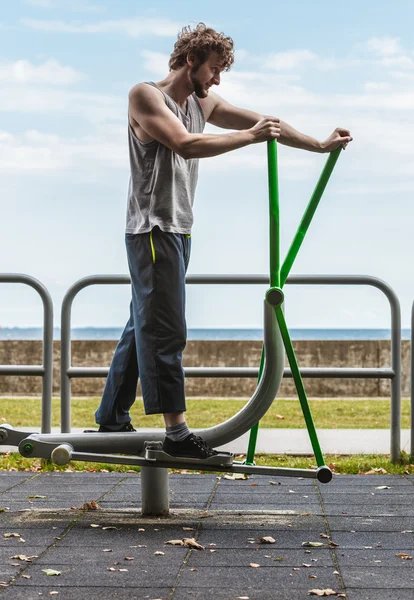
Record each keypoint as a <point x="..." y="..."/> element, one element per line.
<point x="177" y="86"/>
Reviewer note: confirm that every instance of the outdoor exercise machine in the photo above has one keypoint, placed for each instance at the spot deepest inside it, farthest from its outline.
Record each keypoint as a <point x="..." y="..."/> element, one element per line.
<point x="145" y="449"/>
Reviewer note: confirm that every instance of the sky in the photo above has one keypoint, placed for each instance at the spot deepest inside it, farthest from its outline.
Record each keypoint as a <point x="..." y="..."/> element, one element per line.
<point x="66" y="67"/>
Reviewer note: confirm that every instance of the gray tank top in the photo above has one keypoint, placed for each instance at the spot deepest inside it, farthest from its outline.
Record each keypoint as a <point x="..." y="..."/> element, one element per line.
<point x="162" y="183"/>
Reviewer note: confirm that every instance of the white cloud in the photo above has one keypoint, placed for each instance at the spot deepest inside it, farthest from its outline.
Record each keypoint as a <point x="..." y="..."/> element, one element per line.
<point x="156" y="62"/>
<point x="37" y="152"/>
<point x="377" y="86"/>
<point x="71" y="5"/>
<point x="94" y="108"/>
<point x="133" y="27"/>
<point x="384" y="46"/>
<point x="402" y="62"/>
<point x="286" y="61"/>
<point x="50" y="72"/>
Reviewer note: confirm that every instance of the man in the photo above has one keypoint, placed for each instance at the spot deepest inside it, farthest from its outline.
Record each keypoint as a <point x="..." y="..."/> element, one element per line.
<point x="166" y="139"/>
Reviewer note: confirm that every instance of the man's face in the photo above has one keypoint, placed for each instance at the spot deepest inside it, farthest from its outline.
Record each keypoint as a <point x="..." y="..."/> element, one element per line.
<point x="205" y="75"/>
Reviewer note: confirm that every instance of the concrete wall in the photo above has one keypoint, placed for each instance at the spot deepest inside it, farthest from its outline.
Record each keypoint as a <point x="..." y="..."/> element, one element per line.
<point x="224" y="353"/>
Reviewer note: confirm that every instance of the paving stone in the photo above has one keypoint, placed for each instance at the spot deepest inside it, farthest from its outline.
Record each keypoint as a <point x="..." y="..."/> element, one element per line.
<point x="265" y="555"/>
<point x="377" y="577"/>
<point x="232" y="593"/>
<point x="263" y="577"/>
<point x="32" y="537"/>
<point x="230" y="538"/>
<point x="263" y="481"/>
<point x="95" y="555"/>
<point x="266" y="499"/>
<point x="400" y="542"/>
<point x="123" y="537"/>
<point x="359" y="524"/>
<point x="239" y="508"/>
<point x="368" y="500"/>
<point x="375" y="510"/>
<point x="359" y="481"/>
<point x="83" y="576"/>
<point x="377" y="594"/>
<point x="17" y="592"/>
<point x="266" y="522"/>
<point x="374" y="557"/>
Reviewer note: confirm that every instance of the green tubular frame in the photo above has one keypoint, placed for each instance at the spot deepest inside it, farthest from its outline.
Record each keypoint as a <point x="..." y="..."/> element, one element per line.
<point x="278" y="276"/>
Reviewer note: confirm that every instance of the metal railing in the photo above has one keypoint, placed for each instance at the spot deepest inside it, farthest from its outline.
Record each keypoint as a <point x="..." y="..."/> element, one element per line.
<point x="412" y="383"/>
<point x="45" y="371"/>
<point x="393" y="373"/>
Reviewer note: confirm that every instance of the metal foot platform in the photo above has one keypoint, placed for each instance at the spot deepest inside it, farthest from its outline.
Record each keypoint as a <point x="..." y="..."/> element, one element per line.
<point x="223" y="459"/>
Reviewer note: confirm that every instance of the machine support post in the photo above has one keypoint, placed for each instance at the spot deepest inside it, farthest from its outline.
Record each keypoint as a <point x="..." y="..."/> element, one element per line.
<point x="154" y="492"/>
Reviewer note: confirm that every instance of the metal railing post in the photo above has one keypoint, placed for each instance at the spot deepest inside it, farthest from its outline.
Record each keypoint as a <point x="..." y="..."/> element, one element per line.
<point x="412" y="382"/>
<point x="65" y="340"/>
<point x="46" y="369"/>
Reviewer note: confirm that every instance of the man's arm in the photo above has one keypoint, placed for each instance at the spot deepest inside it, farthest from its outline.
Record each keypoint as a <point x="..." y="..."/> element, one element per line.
<point x="147" y="108"/>
<point x="225" y="115"/>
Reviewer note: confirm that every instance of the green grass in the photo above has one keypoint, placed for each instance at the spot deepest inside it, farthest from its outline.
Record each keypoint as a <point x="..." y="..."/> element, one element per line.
<point x="349" y="465"/>
<point x="327" y="414"/>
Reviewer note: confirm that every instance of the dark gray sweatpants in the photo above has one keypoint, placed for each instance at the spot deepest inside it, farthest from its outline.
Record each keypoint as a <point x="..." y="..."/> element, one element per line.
<point x="154" y="338"/>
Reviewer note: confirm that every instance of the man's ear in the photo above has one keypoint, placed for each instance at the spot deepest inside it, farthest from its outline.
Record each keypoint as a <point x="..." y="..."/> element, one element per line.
<point x="191" y="59"/>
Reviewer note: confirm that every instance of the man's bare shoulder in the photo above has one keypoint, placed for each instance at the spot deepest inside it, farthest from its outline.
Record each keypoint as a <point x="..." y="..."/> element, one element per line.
<point x="209" y="103"/>
<point x="143" y="90"/>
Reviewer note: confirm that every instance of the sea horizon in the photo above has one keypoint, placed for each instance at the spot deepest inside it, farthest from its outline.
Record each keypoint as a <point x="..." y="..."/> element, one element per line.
<point x="114" y="333"/>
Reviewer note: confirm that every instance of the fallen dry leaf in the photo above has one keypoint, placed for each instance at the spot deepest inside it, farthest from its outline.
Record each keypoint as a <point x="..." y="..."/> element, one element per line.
<point x="236" y="476"/>
<point x="51" y="572"/>
<point x="191" y="543"/>
<point x="383" y="487"/>
<point x="326" y="592"/>
<point x="373" y="471"/>
<point x="107" y="550"/>
<point x="175" y="542"/>
<point x="404" y="556"/>
<point x="129" y="558"/>
<point x="408" y="531"/>
<point x="254" y="565"/>
<point x="159" y="553"/>
<point x="267" y="540"/>
<point x="37" y="496"/>
<point x="24" y="557"/>
<point x="313" y="544"/>
<point x="323" y="535"/>
<point x="109" y="527"/>
<point x="280" y="417"/>
<point x="94" y="525"/>
<point x="188" y="528"/>
<point x="11" y="535"/>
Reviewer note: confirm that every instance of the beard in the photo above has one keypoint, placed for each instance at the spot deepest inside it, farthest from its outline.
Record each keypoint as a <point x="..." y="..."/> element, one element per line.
<point x="199" y="89"/>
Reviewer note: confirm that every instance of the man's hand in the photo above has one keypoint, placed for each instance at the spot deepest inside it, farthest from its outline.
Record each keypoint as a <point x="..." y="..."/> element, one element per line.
<point x="340" y="137"/>
<point x="266" y="129"/>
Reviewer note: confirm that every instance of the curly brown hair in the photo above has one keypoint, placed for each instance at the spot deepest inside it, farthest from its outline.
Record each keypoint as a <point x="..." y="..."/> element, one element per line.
<point x="201" y="41"/>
